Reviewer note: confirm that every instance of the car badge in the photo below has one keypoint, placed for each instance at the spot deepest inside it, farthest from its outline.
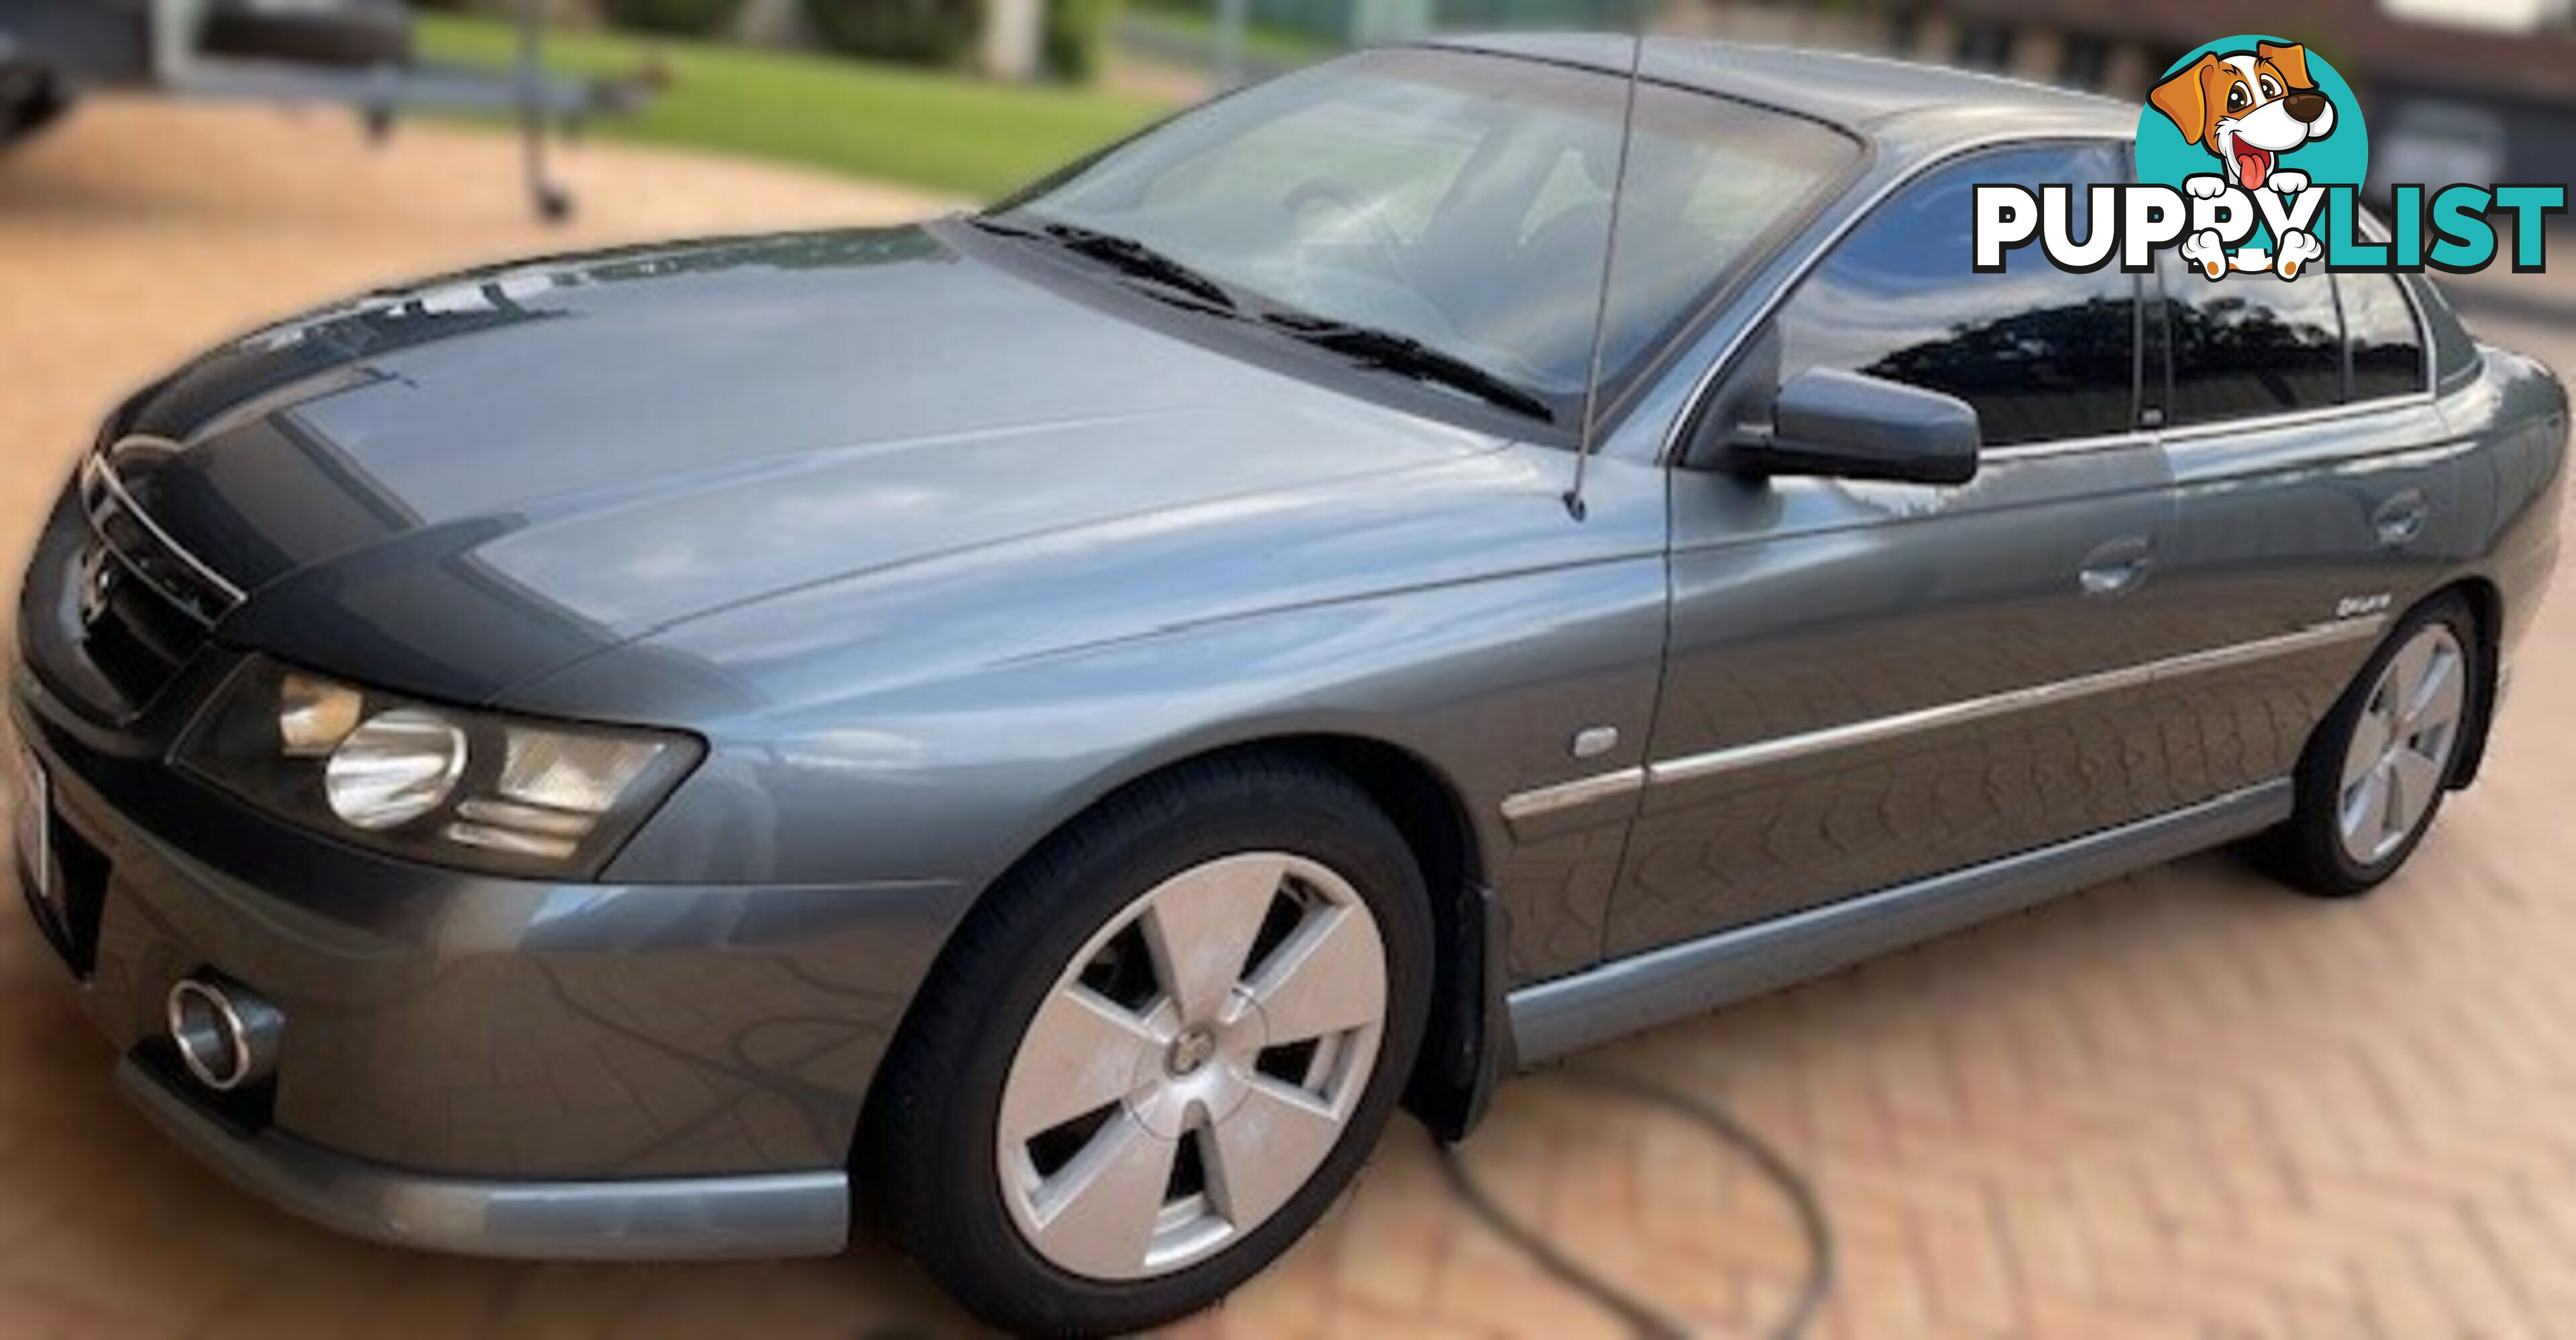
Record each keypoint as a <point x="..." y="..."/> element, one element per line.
<point x="98" y="574"/>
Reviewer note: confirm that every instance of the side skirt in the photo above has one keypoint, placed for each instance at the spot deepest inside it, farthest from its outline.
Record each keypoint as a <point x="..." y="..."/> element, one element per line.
<point x="1554" y="1018"/>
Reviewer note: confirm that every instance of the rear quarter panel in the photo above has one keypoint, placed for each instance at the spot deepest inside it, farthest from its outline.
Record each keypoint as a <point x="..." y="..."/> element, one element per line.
<point x="2512" y="482"/>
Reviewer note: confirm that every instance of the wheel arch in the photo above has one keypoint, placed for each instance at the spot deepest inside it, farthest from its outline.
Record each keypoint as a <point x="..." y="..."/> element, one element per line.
<point x="2485" y="602"/>
<point x="1467" y="1048"/>
<point x="2486" y="605"/>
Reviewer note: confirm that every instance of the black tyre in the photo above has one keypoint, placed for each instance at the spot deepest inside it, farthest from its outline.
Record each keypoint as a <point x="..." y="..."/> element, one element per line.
<point x="1157" y="1052"/>
<point x="2373" y="777"/>
<point x="30" y="100"/>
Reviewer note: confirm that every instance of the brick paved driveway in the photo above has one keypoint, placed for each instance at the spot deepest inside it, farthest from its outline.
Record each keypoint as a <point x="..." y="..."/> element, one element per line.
<point x="2186" y="1103"/>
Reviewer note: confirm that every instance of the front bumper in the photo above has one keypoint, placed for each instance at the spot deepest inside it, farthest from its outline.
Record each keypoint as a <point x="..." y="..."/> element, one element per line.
<point x="487" y="1066"/>
<point x="749" y="1215"/>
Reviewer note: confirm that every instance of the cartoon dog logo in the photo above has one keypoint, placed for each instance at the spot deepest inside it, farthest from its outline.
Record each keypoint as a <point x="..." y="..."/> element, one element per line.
<point x="2248" y="108"/>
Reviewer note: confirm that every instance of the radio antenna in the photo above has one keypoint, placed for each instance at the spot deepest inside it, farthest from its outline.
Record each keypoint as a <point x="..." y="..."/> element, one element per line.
<point x="1591" y="425"/>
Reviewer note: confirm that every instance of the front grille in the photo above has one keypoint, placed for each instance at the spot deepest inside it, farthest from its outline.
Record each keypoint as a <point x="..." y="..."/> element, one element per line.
<point x="136" y="639"/>
<point x="133" y="604"/>
<point x="143" y="548"/>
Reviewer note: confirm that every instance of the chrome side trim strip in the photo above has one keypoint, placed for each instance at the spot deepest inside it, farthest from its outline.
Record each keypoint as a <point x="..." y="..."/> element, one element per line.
<point x="1660" y="986"/>
<point x="1779" y="749"/>
<point x="1568" y="795"/>
<point x="1782" y="748"/>
<point x="2139" y="439"/>
<point x="2297" y="418"/>
<point x="2185" y="434"/>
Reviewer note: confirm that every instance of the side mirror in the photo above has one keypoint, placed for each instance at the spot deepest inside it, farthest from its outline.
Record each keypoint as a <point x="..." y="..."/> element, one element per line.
<point x="1848" y="425"/>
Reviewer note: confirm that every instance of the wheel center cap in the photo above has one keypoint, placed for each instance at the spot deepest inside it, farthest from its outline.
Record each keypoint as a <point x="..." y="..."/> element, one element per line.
<point x="1190" y="1051"/>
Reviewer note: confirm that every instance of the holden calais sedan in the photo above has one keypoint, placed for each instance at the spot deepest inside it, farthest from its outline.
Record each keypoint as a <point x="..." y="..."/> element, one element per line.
<point x="1043" y="728"/>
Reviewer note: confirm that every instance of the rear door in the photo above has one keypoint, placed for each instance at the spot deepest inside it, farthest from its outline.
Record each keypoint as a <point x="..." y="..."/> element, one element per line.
<point x="1871" y="683"/>
<point x="2312" y="469"/>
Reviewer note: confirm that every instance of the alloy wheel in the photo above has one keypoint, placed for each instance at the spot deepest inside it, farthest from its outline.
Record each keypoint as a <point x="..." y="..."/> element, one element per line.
<point x="1193" y="1066"/>
<point x="2401" y="747"/>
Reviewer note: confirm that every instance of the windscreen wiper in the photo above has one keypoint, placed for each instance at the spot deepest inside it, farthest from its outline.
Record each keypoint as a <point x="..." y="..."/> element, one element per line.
<point x="1125" y="254"/>
<point x="1406" y="356"/>
<point x="1144" y="262"/>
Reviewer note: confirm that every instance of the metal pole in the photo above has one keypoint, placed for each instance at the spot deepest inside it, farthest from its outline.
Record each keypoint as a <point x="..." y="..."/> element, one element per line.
<point x="1231" y="16"/>
<point x="551" y="204"/>
<point x="1609" y="264"/>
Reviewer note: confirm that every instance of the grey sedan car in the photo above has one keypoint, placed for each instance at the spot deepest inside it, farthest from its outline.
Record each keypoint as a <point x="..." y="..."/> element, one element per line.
<point x="1045" y="727"/>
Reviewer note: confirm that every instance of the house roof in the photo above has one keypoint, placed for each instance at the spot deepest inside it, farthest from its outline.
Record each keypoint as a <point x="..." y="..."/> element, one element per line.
<point x="2361" y="38"/>
<point x="1855" y="91"/>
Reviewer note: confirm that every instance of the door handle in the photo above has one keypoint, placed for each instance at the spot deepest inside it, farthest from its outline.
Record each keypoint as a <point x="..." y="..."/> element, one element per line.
<point x="2400" y="519"/>
<point x="2115" y="567"/>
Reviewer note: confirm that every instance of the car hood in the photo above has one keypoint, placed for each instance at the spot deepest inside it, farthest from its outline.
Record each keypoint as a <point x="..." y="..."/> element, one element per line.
<point x="453" y="487"/>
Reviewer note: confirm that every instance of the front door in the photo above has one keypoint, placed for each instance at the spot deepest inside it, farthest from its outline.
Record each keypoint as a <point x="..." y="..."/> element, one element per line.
<point x="1871" y="683"/>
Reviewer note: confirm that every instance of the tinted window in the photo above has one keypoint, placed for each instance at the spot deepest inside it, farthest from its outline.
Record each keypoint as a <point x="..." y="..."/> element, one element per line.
<point x="2041" y="353"/>
<point x="2387" y="351"/>
<point x="2455" y="355"/>
<point x="2249" y="343"/>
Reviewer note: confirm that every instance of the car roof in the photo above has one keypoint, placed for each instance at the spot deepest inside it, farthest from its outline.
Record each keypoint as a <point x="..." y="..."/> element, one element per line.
<point x="1923" y="106"/>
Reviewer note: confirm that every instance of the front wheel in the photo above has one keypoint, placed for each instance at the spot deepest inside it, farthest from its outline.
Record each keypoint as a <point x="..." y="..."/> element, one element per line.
<point x="1155" y="1055"/>
<point x="2372" y="780"/>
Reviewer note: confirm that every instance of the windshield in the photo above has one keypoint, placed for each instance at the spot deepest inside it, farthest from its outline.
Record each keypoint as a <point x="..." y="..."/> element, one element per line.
<point x="1461" y="201"/>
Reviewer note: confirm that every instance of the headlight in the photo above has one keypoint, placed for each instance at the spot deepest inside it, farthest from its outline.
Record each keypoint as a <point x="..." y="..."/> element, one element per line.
<point x="394" y="768"/>
<point x="440" y="784"/>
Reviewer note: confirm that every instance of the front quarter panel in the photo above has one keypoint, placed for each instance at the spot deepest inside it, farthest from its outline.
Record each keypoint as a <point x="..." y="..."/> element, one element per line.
<point x="947" y="716"/>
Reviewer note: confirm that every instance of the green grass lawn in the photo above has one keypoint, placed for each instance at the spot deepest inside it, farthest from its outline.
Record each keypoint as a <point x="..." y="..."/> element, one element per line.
<point x="941" y="131"/>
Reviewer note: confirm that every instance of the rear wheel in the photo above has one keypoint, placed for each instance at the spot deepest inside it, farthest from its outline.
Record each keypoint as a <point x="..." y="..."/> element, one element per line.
<point x="2373" y="779"/>
<point x="1156" y="1055"/>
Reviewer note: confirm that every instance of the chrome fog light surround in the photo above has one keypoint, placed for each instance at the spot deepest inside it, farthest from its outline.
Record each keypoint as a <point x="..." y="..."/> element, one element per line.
<point x="226" y="1036"/>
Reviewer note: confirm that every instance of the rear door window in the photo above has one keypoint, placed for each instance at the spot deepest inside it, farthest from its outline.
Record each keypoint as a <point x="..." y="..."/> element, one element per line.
<point x="2387" y="346"/>
<point x="2249" y="344"/>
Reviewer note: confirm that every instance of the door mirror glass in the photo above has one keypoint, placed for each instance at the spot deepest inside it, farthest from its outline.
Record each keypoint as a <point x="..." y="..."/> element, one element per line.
<point x="1849" y="425"/>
